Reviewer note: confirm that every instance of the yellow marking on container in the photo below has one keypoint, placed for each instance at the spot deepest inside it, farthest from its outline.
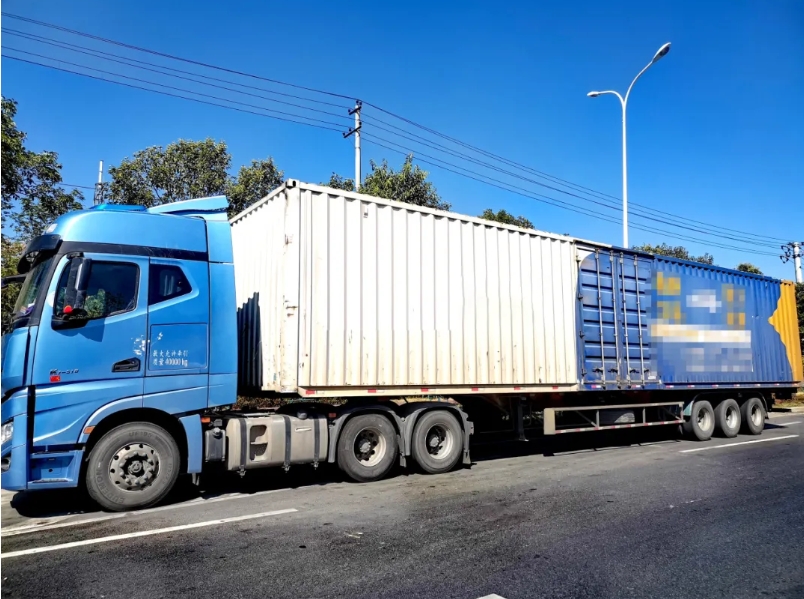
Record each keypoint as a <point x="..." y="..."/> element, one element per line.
<point x="785" y="321"/>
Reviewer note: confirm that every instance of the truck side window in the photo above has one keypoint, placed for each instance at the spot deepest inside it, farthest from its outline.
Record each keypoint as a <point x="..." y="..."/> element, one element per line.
<point x="112" y="289"/>
<point x="166" y="282"/>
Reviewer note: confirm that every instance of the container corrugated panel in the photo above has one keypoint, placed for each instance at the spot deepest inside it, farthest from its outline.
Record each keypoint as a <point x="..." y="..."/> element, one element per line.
<point x="715" y="325"/>
<point x="339" y="290"/>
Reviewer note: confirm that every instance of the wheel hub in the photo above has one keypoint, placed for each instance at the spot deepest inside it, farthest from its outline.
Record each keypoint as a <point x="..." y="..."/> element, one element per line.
<point x="134" y="467"/>
<point x="369" y="447"/>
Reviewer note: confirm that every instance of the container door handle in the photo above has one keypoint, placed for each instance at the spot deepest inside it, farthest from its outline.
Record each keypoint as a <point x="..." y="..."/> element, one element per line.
<point x="129" y="365"/>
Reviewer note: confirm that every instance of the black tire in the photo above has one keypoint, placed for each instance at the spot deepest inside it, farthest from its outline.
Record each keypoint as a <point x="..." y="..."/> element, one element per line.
<point x="437" y="442"/>
<point x="728" y="418"/>
<point x="753" y="416"/>
<point x="701" y="423"/>
<point x="373" y="438"/>
<point x="133" y="466"/>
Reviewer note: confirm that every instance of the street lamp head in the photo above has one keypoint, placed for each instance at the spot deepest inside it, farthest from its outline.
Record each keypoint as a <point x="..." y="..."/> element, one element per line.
<point x="593" y="94"/>
<point x="661" y="52"/>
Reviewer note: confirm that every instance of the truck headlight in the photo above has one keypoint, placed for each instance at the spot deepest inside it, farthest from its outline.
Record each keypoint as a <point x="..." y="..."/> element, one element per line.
<point x="7" y="432"/>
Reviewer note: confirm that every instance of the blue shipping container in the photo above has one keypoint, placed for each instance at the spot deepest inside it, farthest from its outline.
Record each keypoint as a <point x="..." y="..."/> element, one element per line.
<point x="657" y="322"/>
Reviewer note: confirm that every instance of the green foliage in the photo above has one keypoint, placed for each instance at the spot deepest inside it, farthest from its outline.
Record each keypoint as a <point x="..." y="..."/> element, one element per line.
<point x="186" y="170"/>
<point x="748" y="267"/>
<point x="10" y="255"/>
<point x="800" y="308"/>
<point x="181" y="171"/>
<point x="506" y="218"/>
<point x="253" y="182"/>
<point x="338" y="182"/>
<point x="408" y="185"/>
<point x="677" y="251"/>
<point x="32" y="198"/>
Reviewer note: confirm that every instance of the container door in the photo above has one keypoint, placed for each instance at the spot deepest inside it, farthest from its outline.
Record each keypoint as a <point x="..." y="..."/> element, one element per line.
<point x="614" y="308"/>
<point x="632" y="276"/>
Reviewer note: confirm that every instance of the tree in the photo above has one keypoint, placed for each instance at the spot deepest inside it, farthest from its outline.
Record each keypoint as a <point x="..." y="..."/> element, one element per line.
<point x="11" y="253"/>
<point x="508" y="219"/>
<point x="181" y="171"/>
<point x="32" y="198"/>
<point x="800" y="308"/>
<point x="190" y="169"/>
<point x="677" y="251"/>
<point x="748" y="267"/>
<point x="338" y="182"/>
<point x="408" y="185"/>
<point x="253" y="182"/>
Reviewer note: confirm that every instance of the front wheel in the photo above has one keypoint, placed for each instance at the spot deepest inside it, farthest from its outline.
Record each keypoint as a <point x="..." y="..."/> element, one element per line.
<point x="133" y="466"/>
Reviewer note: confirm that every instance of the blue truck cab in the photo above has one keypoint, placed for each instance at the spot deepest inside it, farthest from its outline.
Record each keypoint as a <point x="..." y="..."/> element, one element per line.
<point x="126" y="314"/>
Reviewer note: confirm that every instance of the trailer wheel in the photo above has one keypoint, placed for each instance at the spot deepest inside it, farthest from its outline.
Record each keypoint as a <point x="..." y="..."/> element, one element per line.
<point x="727" y="418"/>
<point x="701" y="423"/>
<point x="132" y="466"/>
<point x="367" y="447"/>
<point x="753" y="416"/>
<point x="437" y="442"/>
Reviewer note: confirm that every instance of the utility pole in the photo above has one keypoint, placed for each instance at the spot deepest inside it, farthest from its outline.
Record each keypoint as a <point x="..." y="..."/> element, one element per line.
<point x="98" y="199"/>
<point x="792" y="251"/>
<point x="356" y="132"/>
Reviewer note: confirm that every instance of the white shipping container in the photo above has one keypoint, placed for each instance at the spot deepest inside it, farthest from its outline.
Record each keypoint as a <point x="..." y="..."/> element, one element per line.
<point x="346" y="294"/>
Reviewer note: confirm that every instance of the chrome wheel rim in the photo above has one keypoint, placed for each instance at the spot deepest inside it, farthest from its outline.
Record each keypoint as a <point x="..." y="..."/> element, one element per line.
<point x="439" y="441"/>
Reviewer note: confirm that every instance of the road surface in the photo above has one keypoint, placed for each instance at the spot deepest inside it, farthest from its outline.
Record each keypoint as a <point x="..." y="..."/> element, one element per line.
<point x="660" y="517"/>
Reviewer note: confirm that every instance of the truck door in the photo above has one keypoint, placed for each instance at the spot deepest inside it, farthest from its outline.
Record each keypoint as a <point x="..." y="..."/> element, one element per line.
<point x="77" y="370"/>
<point x="177" y="371"/>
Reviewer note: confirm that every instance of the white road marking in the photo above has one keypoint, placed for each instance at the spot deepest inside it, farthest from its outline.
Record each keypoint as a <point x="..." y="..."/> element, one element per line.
<point x="57" y="521"/>
<point x="786" y="423"/>
<point x="727" y="445"/>
<point x="492" y="596"/>
<point x="145" y="533"/>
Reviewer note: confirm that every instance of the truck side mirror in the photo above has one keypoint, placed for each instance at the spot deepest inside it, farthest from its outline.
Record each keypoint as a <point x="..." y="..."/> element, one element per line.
<point x="73" y="313"/>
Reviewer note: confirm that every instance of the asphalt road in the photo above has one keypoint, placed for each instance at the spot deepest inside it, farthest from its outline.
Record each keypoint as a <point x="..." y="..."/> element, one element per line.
<point x="649" y="519"/>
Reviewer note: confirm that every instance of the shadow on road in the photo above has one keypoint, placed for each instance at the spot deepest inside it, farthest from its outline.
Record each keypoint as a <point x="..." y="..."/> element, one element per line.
<point x="74" y="501"/>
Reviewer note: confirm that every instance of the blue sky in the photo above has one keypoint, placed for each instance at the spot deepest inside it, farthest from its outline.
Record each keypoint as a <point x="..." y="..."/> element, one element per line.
<point x="716" y="129"/>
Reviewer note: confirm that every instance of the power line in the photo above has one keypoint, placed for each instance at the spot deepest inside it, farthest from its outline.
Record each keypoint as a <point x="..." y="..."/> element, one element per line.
<point x="437" y="146"/>
<point x="641" y="208"/>
<point x="171" y="56"/>
<point x="128" y="61"/>
<point x="155" y="91"/>
<point x="78" y="186"/>
<point x="597" y="202"/>
<point x="438" y="163"/>
<point x="301" y="116"/>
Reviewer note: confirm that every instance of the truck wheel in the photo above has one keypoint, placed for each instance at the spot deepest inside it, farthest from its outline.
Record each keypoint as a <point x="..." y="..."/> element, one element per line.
<point x="727" y="418"/>
<point x="701" y="424"/>
<point x="133" y="466"/>
<point x="753" y="416"/>
<point x="367" y="447"/>
<point x="437" y="442"/>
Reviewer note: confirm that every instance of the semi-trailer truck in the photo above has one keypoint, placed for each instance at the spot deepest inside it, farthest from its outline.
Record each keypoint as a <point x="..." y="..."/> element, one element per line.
<point x="394" y="333"/>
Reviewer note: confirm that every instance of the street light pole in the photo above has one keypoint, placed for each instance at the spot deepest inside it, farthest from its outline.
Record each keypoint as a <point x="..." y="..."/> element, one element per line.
<point x="624" y="103"/>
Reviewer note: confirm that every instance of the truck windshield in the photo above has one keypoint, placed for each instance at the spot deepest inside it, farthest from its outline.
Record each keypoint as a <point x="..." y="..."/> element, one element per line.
<point x="31" y="286"/>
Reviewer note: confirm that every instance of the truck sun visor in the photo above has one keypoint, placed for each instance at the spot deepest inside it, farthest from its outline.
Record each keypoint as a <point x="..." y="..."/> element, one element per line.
<point x="43" y="243"/>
